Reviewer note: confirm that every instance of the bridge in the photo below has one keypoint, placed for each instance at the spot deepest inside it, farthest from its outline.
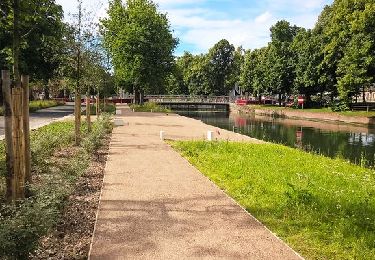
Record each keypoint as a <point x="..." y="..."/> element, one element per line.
<point x="195" y="103"/>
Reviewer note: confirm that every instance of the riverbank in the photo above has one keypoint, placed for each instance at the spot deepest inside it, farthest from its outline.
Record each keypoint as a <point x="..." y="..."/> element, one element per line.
<point x="324" y="208"/>
<point x="324" y="115"/>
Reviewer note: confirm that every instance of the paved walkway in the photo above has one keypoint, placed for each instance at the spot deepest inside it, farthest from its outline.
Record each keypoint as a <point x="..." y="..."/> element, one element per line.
<point x="155" y="205"/>
<point x="44" y="117"/>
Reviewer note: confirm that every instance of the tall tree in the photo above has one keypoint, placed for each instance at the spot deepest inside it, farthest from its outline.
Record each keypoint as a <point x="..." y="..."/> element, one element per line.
<point x="197" y="76"/>
<point x="140" y="43"/>
<point x="307" y="60"/>
<point x="280" y="58"/>
<point x="221" y="64"/>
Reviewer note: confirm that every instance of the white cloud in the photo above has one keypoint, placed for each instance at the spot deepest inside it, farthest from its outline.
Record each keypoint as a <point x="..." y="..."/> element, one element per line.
<point x="263" y="18"/>
<point x="199" y="24"/>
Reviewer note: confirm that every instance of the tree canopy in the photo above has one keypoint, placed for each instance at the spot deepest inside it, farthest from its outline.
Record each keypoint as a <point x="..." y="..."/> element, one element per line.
<point x="140" y="43"/>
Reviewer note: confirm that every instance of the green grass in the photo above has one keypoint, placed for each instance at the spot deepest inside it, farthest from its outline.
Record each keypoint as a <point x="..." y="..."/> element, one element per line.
<point x="324" y="208"/>
<point x="23" y="223"/>
<point x="36" y="105"/>
<point x="109" y="108"/>
<point x="150" y="107"/>
<point x="317" y="110"/>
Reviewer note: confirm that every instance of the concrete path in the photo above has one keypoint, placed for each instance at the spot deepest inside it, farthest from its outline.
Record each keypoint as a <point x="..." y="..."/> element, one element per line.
<point x="43" y="117"/>
<point x="155" y="205"/>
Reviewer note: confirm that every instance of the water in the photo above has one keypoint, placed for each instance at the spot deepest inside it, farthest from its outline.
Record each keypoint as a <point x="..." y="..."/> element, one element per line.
<point x="353" y="143"/>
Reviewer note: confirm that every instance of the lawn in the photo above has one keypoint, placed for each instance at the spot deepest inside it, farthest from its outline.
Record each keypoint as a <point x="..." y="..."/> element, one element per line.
<point x="323" y="208"/>
<point x="317" y="110"/>
<point x="150" y="107"/>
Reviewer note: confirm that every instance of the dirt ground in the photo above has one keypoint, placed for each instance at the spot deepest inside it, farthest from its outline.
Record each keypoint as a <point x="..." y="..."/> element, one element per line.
<point x="72" y="236"/>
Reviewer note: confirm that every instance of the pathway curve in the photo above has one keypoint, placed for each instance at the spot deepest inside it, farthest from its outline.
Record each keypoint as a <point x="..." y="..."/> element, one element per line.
<point x="155" y="205"/>
<point x="43" y="117"/>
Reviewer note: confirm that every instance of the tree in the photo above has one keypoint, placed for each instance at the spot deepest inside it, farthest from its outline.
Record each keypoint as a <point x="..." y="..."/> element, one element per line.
<point x="307" y="60"/>
<point x="253" y="73"/>
<point x="221" y="64"/>
<point x="197" y="76"/>
<point x="140" y="43"/>
<point x="36" y="29"/>
<point x="280" y="58"/>
<point x="174" y="84"/>
<point x="351" y="22"/>
<point x="233" y="78"/>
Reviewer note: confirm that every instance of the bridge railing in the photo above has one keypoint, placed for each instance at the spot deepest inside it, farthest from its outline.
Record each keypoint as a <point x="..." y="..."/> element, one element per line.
<point x="187" y="99"/>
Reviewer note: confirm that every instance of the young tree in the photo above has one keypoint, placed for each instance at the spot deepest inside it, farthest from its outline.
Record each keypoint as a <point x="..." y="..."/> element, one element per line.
<point x="140" y="43"/>
<point x="36" y="29"/>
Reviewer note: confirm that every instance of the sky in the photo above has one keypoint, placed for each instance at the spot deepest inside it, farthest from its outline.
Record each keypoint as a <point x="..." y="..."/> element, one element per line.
<point x="199" y="24"/>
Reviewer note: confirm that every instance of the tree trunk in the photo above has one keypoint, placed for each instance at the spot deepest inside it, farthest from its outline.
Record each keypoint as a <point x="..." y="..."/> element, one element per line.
<point x="98" y="104"/>
<point x="88" y="110"/>
<point x="46" y="91"/>
<point x="136" y="95"/>
<point x="141" y="97"/>
<point x="363" y="94"/>
<point x="279" y="100"/>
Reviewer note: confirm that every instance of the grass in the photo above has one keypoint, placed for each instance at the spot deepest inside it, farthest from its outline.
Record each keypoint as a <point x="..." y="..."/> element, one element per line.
<point x="324" y="208"/>
<point x="56" y="165"/>
<point x="317" y="110"/>
<point x="109" y="108"/>
<point x="36" y="105"/>
<point x="150" y="107"/>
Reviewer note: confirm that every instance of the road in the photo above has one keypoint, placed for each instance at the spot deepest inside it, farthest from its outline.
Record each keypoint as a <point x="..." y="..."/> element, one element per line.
<point x="43" y="117"/>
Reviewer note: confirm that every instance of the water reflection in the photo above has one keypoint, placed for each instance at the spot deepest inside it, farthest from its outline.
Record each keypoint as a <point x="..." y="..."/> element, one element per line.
<point x="354" y="143"/>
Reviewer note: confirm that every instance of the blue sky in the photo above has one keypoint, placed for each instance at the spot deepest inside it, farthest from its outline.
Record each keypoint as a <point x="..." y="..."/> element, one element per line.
<point x="199" y="24"/>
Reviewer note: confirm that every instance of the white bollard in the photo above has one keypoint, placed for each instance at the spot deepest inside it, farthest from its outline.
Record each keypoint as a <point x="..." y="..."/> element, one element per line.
<point x="210" y="135"/>
<point x="162" y="135"/>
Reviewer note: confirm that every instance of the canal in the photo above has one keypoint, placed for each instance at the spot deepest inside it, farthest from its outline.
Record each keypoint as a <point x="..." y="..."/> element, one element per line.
<point x="350" y="142"/>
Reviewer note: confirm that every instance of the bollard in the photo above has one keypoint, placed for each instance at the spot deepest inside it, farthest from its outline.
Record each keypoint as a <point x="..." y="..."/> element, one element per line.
<point x="210" y="135"/>
<point x="162" y="135"/>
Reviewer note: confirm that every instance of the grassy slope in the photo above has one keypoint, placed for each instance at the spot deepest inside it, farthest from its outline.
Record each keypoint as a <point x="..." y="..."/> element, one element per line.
<point x="318" y="110"/>
<point x="324" y="208"/>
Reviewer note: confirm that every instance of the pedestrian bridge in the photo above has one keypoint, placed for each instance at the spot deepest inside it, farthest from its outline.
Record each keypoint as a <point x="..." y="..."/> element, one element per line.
<point x="191" y="103"/>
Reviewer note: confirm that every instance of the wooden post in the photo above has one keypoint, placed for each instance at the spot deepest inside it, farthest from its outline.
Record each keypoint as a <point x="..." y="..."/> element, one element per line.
<point x="104" y="104"/>
<point x="18" y="151"/>
<point x="7" y="105"/>
<point x="77" y="115"/>
<point x="88" y="111"/>
<point x="26" y="127"/>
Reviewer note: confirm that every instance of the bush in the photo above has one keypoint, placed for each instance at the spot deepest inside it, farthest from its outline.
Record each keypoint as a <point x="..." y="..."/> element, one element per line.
<point x="339" y="106"/>
<point x="23" y="223"/>
<point x="109" y="109"/>
<point x="148" y="107"/>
